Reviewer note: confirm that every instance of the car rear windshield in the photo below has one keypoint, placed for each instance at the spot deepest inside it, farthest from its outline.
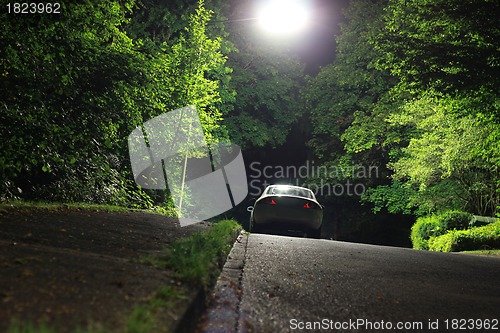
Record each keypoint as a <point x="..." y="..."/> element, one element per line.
<point x="286" y="190"/>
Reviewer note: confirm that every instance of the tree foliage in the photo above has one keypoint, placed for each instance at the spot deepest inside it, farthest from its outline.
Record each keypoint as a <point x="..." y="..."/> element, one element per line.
<point x="75" y="84"/>
<point x="350" y="87"/>
<point x="413" y="89"/>
<point x="445" y="58"/>
<point x="266" y="104"/>
<point x="449" y="45"/>
<point x="348" y="100"/>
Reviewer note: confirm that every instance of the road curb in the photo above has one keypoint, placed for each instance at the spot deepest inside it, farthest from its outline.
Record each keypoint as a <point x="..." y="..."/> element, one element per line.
<point x="188" y="322"/>
<point x="222" y="314"/>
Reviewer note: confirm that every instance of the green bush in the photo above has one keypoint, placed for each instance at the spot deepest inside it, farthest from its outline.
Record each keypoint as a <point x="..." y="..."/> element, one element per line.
<point x="466" y="240"/>
<point x="423" y="229"/>
<point x="437" y="225"/>
<point x="456" y="220"/>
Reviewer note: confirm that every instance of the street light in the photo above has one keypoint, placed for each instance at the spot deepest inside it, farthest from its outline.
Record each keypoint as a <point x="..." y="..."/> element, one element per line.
<point x="279" y="17"/>
<point x="283" y="17"/>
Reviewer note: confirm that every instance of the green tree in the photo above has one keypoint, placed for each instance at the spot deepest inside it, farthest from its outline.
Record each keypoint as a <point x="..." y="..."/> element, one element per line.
<point x="449" y="147"/>
<point x="413" y="90"/>
<point x="449" y="45"/>
<point x="59" y="74"/>
<point x="348" y="100"/>
<point x="74" y="85"/>
<point x="159" y="25"/>
<point x="445" y="58"/>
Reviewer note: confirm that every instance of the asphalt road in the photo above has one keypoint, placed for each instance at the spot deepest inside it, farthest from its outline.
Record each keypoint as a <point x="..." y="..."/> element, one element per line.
<point x="292" y="284"/>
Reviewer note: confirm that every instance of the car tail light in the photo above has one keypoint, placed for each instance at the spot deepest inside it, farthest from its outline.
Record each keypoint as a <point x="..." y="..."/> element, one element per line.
<point x="272" y="202"/>
<point x="311" y="205"/>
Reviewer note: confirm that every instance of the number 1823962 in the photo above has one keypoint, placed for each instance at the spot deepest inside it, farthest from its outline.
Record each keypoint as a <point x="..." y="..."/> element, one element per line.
<point x="33" y="8"/>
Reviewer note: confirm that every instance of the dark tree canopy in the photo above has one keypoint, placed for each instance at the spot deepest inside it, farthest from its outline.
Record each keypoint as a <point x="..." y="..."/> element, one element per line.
<point x="447" y="44"/>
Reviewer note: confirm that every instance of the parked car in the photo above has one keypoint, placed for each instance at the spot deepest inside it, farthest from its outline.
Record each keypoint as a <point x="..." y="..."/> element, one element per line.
<point x="287" y="207"/>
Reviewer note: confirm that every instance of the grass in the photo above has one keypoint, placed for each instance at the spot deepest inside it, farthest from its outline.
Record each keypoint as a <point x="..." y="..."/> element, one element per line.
<point x="16" y="327"/>
<point x="36" y="205"/>
<point x="28" y="206"/>
<point x="144" y="316"/>
<point x="198" y="259"/>
<point x="483" y="252"/>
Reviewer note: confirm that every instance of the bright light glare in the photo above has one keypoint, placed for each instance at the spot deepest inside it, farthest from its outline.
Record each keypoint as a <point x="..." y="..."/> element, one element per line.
<point x="283" y="16"/>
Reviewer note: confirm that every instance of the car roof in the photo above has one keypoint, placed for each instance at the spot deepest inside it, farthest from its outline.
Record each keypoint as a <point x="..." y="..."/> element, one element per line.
<point x="311" y="193"/>
<point x="285" y="185"/>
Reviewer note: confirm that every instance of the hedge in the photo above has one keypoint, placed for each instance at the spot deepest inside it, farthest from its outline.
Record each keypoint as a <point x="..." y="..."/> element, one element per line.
<point x="437" y="225"/>
<point x="467" y="240"/>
